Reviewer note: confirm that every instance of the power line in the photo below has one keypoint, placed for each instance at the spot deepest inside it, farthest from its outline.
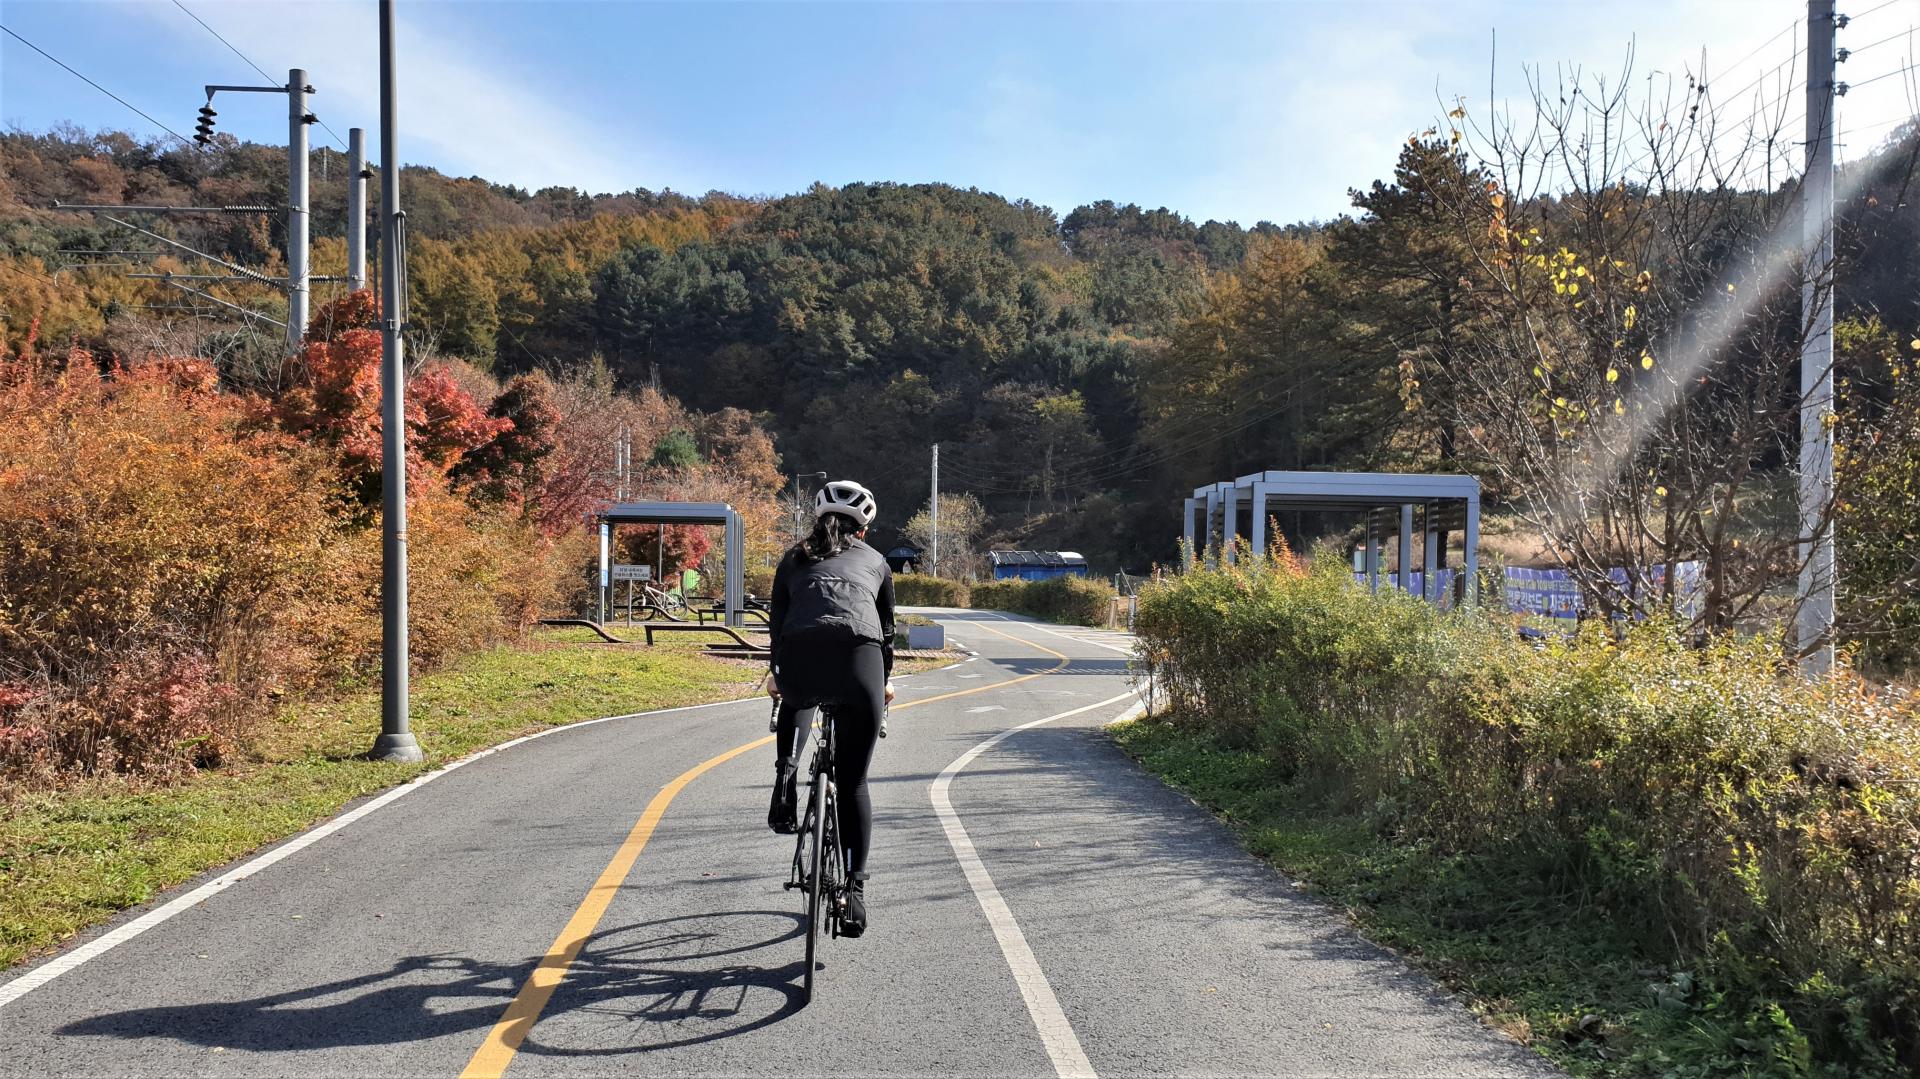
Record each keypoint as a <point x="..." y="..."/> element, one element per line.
<point x="184" y="140"/>
<point x="263" y="74"/>
<point x="230" y="45"/>
<point x="1792" y="27"/>
<point x="1871" y="10"/>
<point x="1876" y="125"/>
<point x="1908" y="32"/>
<point x="1902" y="70"/>
<point x="1708" y="142"/>
<point x="1769" y="72"/>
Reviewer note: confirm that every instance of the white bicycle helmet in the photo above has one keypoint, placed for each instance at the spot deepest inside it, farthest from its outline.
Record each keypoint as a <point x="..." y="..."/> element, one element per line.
<point x="847" y="498"/>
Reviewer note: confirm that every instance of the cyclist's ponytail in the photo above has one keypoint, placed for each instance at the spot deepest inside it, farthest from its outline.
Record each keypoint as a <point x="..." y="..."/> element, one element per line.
<point x="831" y="532"/>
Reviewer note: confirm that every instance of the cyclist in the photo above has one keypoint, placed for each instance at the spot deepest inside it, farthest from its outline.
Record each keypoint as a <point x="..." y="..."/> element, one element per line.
<point x="831" y="626"/>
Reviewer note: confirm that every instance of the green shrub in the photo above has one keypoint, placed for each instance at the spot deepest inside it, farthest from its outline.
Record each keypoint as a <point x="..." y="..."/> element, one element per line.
<point x="1758" y="829"/>
<point x="1069" y="600"/>
<point x="921" y="590"/>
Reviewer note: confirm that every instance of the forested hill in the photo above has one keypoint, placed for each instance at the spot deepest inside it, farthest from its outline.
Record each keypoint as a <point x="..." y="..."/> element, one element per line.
<point x="1079" y="371"/>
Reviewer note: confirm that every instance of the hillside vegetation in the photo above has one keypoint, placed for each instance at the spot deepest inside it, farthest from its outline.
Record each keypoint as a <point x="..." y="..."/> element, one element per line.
<point x="1080" y="369"/>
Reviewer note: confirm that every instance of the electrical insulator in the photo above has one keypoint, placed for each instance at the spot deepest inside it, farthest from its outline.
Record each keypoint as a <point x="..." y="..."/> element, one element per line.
<point x="203" y="131"/>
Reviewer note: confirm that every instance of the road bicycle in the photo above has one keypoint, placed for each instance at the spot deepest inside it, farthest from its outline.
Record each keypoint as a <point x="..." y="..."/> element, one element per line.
<point x="667" y="602"/>
<point x="819" y="869"/>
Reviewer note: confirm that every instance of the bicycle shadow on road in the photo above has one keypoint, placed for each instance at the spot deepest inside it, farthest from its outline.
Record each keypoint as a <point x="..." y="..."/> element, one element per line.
<point x="687" y="978"/>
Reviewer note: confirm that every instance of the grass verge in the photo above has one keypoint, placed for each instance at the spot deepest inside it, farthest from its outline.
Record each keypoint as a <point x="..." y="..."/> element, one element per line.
<point x="1555" y="972"/>
<point x="71" y="858"/>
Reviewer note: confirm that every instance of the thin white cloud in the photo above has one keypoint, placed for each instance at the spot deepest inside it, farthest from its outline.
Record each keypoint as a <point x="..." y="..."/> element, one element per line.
<point x="462" y="107"/>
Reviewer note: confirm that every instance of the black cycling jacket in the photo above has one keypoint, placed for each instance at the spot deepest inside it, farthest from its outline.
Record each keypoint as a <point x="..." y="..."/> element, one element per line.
<point x="849" y="595"/>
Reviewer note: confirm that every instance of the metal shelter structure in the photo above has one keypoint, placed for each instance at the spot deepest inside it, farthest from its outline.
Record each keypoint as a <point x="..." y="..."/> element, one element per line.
<point x="677" y="513"/>
<point x="1388" y="501"/>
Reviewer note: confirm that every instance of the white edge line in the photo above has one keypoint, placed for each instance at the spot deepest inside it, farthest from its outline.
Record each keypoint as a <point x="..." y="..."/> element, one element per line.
<point x="33" y="979"/>
<point x="1043" y="1007"/>
<point x="25" y="983"/>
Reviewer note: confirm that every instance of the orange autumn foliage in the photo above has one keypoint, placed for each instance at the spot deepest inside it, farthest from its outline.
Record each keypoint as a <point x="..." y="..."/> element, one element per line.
<point x="177" y="555"/>
<point x="154" y="529"/>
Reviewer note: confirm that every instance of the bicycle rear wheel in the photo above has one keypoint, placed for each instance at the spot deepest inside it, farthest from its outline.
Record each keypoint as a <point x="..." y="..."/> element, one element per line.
<point x="816" y="873"/>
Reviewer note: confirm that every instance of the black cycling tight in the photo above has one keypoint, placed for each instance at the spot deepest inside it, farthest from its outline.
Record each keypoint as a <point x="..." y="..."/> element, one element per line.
<point x="854" y="674"/>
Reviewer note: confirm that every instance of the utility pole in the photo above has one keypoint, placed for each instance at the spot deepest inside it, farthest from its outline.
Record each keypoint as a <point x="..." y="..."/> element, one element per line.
<point x="801" y="511"/>
<point x="396" y="742"/>
<point x="298" y="225"/>
<point x="357" y="174"/>
<point x="1813" y="630"/>
<point x="299" y="274"/>
<point x="933" y="560"/>
<point x="622" y="463"/>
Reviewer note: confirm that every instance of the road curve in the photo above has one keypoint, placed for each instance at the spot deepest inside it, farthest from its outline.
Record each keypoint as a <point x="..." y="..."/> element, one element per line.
<point x="1045" y="867"/>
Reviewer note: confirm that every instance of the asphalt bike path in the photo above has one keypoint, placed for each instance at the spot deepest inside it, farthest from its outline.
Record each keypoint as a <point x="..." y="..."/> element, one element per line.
<point x="1094" y="923"/>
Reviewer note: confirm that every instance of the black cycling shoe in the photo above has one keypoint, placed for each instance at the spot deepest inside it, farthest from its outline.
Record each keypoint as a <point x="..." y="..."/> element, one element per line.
<point x="780" y="814"/>
<point x="853" y="921"/>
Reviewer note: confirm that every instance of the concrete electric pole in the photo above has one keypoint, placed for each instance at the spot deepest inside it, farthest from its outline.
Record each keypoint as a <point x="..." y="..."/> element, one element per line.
<point x="933" y="560"/>
<point x="1813" y="627"/>
<point x="357" y="174"/>
<point x="299" y="228"/>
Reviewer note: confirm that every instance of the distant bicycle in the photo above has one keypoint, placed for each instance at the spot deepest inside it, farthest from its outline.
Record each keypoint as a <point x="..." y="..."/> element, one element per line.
<point x="819" y="869"/>
<point x="667" y="602"/>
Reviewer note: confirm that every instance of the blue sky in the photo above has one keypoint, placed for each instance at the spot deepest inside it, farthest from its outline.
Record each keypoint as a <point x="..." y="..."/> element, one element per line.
<point x="1229" y="111"/>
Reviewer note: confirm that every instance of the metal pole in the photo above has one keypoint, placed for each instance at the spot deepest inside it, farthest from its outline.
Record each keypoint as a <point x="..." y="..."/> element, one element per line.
<point x="600" y="597"/>
<point x="1429" y="562"/>
<point x="1259" y="523"/>
<point x="1212" y="549"/>
<point x="1373" y="553"/>
<point x="934" y="560"/>
<point x="396" y="742"/>
<point x="1189" y="541"/>
<point x="1813" y="626"/>
<point x="1230" y="526"/>
<point x="297" y="207"/>
<point x="1470" y="556"/>
<point x="736" y="544"/>
<point x="1403" y="579"/>
<point x="356" y="208"/>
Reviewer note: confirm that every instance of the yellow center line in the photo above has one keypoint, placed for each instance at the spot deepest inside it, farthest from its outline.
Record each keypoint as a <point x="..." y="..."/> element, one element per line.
<point x="503" y="1041"/>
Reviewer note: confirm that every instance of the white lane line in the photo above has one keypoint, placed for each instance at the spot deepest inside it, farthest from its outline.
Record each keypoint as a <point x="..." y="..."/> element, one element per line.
<point x="1056" y="1034"/>
<point x="93" y="949"/>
